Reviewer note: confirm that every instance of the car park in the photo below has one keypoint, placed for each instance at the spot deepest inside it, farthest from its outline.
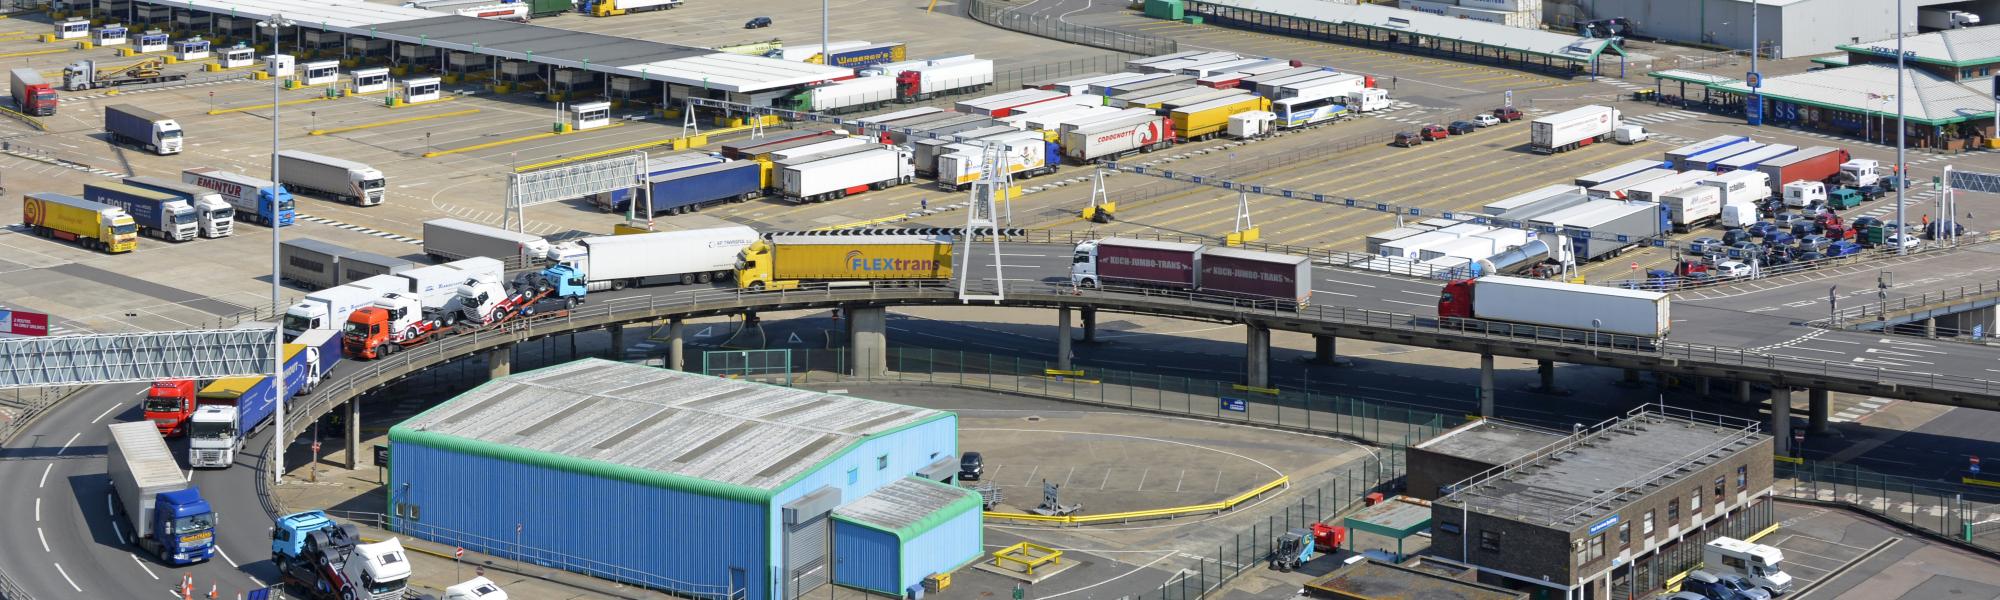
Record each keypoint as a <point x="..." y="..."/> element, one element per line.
<point x="1485" y="120"/>
<point x="1785" y="220"/>
<point x="1780" y="238"/>
<point x="1805" y="228"/>
<point x="1746" y="251"/>
<point x="1809" y="256"/>
<point x="1461" y="127"/>
<point x="1897" y="240"/>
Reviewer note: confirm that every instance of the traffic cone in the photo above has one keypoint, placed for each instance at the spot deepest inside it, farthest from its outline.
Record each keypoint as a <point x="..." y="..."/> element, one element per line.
<point x="187" y="586"/>
<point x="213" y="590"/>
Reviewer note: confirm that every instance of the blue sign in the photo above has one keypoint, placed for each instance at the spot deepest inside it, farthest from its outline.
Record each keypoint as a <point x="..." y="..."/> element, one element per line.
<point x="1604" y="524"/>
<point x="1755" y="79"/>
<point x="1753" y="111"/>
<point x="1234" y="404"/>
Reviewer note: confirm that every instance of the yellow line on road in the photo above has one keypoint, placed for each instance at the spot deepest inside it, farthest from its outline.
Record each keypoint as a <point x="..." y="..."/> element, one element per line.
<point x="268" y="105"/>
<point x="497" y="143"/>
<point x="33" y="53"/>
<point x="403" y="120"/>
<point x="624" y="149"/>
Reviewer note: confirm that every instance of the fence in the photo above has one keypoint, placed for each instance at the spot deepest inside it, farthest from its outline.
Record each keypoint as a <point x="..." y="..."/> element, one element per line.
<point x="1921" y="301"/>
<point x="1003" y="16"/>
<point x="1963" y="513"/>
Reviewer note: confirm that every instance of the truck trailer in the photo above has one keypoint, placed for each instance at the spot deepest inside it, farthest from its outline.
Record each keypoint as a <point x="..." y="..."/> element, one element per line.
<point x="1817" y="164"/>
<point x="310" y="263"/>
<point x="922" y="80"/>
<point x="1616" y="188"/>
<point x="216" y="216"/>
<point x="1027" y="155"/>
<point x="256" y="200"/>
<point x="1581" y="311"/>
<point x="328" y="308"/>
<point x="168" y="517"/>
<point x="1205" y="120"/>
<point x="32" y="95"/>
<point x="1572" y="129"/>
<point x="93" y="225"/>
<point x="837" y="177"/>
<point x="1693" y="206"/>
<point x="452" y="239"/>
<point x="787" y="260"/>
<point x="616" y="262"/>
<point x="1618" y="172"/>
<point x="160" y="215"/>
<point x="343" y="180"/>
<point x="693" y="189"/>
<point x="1285" y="280"/>
<point x="1678" y="158"/>
<point x="1117" y="136"/>
<point x="145" y="129"/>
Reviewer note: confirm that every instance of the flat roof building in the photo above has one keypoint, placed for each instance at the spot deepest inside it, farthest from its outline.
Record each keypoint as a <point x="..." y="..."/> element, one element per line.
<point x="1469" y="450"/>
<point x="1612" y="509"/>
<point x="1376" y="580"/>
<point x="694" y="484"/>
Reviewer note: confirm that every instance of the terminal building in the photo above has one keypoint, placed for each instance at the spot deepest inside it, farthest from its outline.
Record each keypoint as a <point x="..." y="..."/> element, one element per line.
<point x="705" y="487"/>
<point x="1608" y="511"/>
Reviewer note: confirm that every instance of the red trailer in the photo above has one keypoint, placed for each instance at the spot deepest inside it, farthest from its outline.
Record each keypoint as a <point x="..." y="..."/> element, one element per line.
<point x="1259" y="275"/>
<point x="1818" y="163"/>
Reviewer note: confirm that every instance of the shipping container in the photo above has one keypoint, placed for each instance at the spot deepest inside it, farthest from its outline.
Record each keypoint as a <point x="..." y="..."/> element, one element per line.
<point x="1614" y="173"/>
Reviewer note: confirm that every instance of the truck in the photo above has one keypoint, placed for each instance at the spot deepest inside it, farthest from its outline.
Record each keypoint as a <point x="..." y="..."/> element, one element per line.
<point x="1615" y="173"/>
<point x="1742" y="185"/>
<point x="93" y="225"/>
<point x="1572" y="129"/>
<point x="621" y="199"/>
<point x="925" y="79"/>
<point x="148" y="130"/>
<point x="329" y="561"/>
<point x="837" y="177"/>
<point x="86" y="75"/>
<point x="1678" y="158"/>
<point x="864" y="56"/>
<point x="1750" y="159"/>
<point x="1001" y="105"/>
<point x="1706" y="160"/>
<point x="256" y="200"/>
<point x="169" y="403"/>
<point x="1118" y="136"/>
<point x="452" y="239"/>
<point x="477" y="588"/>
<point x="1651" y="190"/>
<point x="852" y="95"/>
<point x="483" y="301"/>
<point x="616" y="262"/>
<point x="1693" y="206"/>
<point x="1205" y="120"/>
<point x="160" y="215"/>
<point x="216" y="217"/>
<point x="1938" y="19"/>
<point x="328" y="308"/>
<point x="1027" y="155"/>
<point x="784" y="261"/>
<point x="228" y="409"/>
<point x="1616" y="187"/>
<point x="1758" y="563"/>
<point x="32" y="95"/>
<point x="1818" y="164"/>
<point x="343" y="180"/>
<point x="168" y="516"/>
<point x="693" y="189"/>
<point x="1583" y="310"/>
<point x="1285" y="280"/>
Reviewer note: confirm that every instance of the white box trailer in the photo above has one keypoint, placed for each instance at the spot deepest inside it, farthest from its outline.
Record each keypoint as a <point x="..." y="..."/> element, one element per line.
<point x="853" y="94"/>
<point x="1338" y="86"/>
<point x="1122" y="135"/>
<point x="329" y="308"/>
<point x="1616" y="187"/>
<point x="343" y="180"/>
<point x="689" y="256"/>
<point x="436" y="286"/>
<point x="1471" y="247"/>
<point x="1650" y="191"/>
<point x="1585" y="308"/>
<point x="1501" y="207"/>
<point x="1742" y="185"/>
<point x="1027" y="156"/>
<point x="1614" y="173"/>
<point x="1410" y="248"/>
<point x="817" y="148"/>
<point x="1692" y="206"/>
<point x="1053" y="122"/>
<point x="1376" y="240"/>
<point x="1572" y="129"/>
<point x="840" y="176"/>
<point x="452" y="239"/>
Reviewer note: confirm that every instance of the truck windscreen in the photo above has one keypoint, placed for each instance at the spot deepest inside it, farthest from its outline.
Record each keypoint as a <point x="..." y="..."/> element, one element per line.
<point x="163" y="404"/>
<point x="373" y="184"/>
<point x="208" y="430"/>
<point x="194" y="524"/>
<point x="125" y="229"/>
<point x="171" y="134"/>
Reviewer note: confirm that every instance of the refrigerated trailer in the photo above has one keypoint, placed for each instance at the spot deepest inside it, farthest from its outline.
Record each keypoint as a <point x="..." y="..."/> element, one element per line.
<point x="343" y="180"/>
<point x="839" y="177"/>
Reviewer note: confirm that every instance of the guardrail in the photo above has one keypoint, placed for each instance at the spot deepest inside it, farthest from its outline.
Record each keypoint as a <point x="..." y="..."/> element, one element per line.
<point x="1924" y="300"/>
<point x="1156" y="513"/>
<point x="1960" y="513"/>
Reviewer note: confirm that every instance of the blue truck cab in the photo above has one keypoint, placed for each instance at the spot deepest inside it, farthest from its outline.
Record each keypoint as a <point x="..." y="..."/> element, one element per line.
<point x="186" y="526"/>
<point x="286" y="212"/>
<point x="567" y="281"/>
<point x="288" y="533"/>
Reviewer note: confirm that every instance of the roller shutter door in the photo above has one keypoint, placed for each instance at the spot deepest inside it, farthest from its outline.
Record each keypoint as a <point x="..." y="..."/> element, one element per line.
<point x="805" y="556"/>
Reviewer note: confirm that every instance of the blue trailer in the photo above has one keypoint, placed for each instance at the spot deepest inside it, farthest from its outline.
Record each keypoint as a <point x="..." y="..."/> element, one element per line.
<point x="692" y="189"/>
<point x="158" y="214"/>
<point x="620" y="199"/>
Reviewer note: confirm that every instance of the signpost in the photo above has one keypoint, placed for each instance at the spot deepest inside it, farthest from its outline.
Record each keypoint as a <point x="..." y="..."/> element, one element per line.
<point x="381" y="462"/>
<point x="21" y="323"/>
<point x="1234" y="404"/>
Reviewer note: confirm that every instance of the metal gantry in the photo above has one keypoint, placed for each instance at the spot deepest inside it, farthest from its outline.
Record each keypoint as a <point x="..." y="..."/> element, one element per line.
<point x="135" y="357"/>
<point x="569" y="182"/>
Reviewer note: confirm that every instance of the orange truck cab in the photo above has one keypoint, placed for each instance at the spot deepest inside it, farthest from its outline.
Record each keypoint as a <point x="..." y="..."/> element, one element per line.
<point x="169" y="403"/>
<point x="391" y="323"/>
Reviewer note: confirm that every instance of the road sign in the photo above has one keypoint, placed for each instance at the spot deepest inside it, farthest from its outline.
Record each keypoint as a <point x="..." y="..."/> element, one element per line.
<point x="1510" y="96"/>
<point x="1234" y="404"/>
<point x="381" y="455"/>
<point x="1756" y="80"/>
<point x="458" y="552"/>
<point x="1973" y="464"/>
<point x="23" y="323"/>
<point x="1753" y="111"/>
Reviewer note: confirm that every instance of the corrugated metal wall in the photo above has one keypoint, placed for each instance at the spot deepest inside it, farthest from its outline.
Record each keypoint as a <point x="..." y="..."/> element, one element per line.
<point x="943" y="548"/>
<point x="866" y="558"/>
<point x="908" y="449"/>
<point x="476" y="502"/>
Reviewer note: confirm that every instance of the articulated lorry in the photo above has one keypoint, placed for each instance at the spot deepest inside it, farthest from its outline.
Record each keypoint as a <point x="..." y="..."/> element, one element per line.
<point x="691" y="190"/>
<point x="169" y="518"/>
<point x="1818" y="164"/>
<point x="216" y="217"/>
<point x="228" y="409"/>
<point x="343" y="180"/>
<point x="787" y="260"/>
<point x="256" y="200"/>
<point x="328" y="308"/>
<point x="402" y="320"/>
<point x="1283" y="279"/>
<point x="1115" y="136"/>
<point x="921" y="80"/>
<point x="32" y="94"/>
<point x="840" y="176"/>
<point x="1572" y="129"/>
<point x="145" y="129"/>
<point x="93" y="225"/>
<point x="452" y="239"/>
<point x="160" y="215"/>
<point x="1027" y="155"/>
<point x="616" y="262"/>
<point x="169" y="403"/>
<point x="1583" y="310"/>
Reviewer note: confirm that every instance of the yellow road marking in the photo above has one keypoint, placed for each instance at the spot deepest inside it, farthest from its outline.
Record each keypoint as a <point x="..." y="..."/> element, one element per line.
<point x="403" y="120"/>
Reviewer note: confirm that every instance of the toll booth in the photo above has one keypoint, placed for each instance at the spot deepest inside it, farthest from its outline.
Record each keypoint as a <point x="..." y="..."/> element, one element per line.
<point x="109" y="35"/>
<point x="239" y="56"/>
<point x="589" y="115"/>
<point x="191" y="49"/>
<point x="73" y="29"/>
<point x="421" y="89"/>
<point x="321" y="72"/>
<point x="280" y="65"/>
<point x="154" y="40"/>
<point x="370" y="80"/>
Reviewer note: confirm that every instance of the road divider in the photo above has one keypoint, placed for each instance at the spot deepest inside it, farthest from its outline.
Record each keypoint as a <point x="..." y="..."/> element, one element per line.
<point x="334" y="130"/>
<point x="517" y="140"/>
<point x="220" y="111"/>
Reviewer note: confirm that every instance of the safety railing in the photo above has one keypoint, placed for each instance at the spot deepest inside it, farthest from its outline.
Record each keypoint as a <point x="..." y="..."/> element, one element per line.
<point x="1920" y="301"/>
<point x="1004" y="16"/>
<point x="1961" y="513"/>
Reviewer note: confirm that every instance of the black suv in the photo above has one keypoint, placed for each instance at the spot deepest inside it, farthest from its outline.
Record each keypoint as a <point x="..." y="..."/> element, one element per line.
<point x="971" y="466"/>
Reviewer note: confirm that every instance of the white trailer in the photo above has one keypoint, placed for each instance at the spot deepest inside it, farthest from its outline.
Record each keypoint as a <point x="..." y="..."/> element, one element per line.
<point x="854" y="94"/>
<point x="436" y="286"/>
<point x="1123" y="135"/>
<point x="1743" y="185"/>
<point x="1027" y="156"/>
<point x="328" y="308"/>
<point x="941" y="76"/>
<point x="452" y="239"/>
<point x="1501" y="207"/>
<point x="1692" y="206"/>
<point x="344" y="180"/>
<point x="823" y="147"/>
<point x="837" y="177"/>
<point x="1652" y="190"/>
<point x="1572" y="129"/>
<point x="1582" y="308"/>
<point x="616" y="262"/>
<point x="1338" y="86"/>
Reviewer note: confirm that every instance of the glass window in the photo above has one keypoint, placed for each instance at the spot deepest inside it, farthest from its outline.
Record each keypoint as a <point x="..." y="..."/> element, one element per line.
<point x="853" y="476"/>
<point x="1646" y="528"/>
<point x="1597" y="546"/>
<point x="1694" y="501"/>
<point x="881" y="462"/>
<point x="1718" y="489"/>
<point x="1624" y="535"/>
<point x="1489" y="540"/>
<point x="1582" y="552"/>
<point x="1742" y="477"/>
<point x="1674" y="511"/>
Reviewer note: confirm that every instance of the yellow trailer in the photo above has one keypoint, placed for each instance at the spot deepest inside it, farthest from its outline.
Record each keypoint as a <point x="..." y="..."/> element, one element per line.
<point x="1203" y="121"/>
<point x="785" y="261"/>
<point x="93" y="225"/>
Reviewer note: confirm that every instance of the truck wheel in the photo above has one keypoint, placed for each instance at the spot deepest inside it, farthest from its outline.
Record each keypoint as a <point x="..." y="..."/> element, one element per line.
<point x="618" y="285"/>
<point x="686" y="279"/>
<point x="702" y="278"/>
<point x="756" y="286"/>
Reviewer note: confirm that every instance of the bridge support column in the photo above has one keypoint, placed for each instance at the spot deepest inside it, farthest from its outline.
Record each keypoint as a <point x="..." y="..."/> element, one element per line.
<point x="617" y="350"/>
<point x="500" y="362"/>
<point x="1256" y="356"/>
<point x="676" y="357"/>
<point x="1816" y="407"/>
<point x="1781" y="419"/>
<point x="353" y="432"/>
<point x="1547" y="370"/>
<point x="1062" y="338"/>
<point x="1930" y="328"/>
<point x="1707" y="384"/>
<point x="1742" y="392"/>
<point x="1631" y="378"/>
<point x="1486" y="384"/>
<point x="868" y="345"/>
<point x="1089" y="325"/>
<point x="1324" y="350"/>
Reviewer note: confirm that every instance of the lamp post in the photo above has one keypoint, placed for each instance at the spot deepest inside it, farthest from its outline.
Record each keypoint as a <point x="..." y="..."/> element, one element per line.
<point x="1901" y="227"/>
<point x="277" y="24"/>
<point x="1754" y="113"/>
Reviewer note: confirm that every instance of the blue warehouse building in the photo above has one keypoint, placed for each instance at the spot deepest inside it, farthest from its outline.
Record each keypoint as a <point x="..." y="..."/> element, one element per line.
<point x="707" y="487"/>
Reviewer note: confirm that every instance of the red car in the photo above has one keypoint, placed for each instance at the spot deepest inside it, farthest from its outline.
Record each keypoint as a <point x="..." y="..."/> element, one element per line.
<point x="1434" y="132"/>
<point x="1507" y="114"/>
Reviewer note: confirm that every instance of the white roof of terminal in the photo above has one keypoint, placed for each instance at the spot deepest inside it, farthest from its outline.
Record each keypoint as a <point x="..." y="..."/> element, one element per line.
<point x="1970" y="45"/>
<point x="1866" y="88"/>
<point x="1577" y="48"/>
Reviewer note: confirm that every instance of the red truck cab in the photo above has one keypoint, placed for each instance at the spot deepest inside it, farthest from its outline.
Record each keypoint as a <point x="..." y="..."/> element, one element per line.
<point x="169" y="404"/>
<point x="1456" y="301"/>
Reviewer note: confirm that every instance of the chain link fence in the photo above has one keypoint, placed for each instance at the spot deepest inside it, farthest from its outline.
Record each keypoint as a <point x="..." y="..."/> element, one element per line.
<point x="1003" y="15"/>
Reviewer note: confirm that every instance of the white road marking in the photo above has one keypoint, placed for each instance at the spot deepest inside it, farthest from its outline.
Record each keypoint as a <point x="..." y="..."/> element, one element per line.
<point x="72" y="440"/>
<point x="45" y="539"/>
<point x="45" y="475"/>
<point x="1409" y="303"/>
<point x="65" y="574"/>
<point x="1350" y="283"/>
<point x="38" y="510"/>
<point x="118" y="530"/>
<point x="225" y="556"/>
<point x="139" y="393"/>
<point x="1333" y="293"/>
<point x="108" y="508"/>
<point x="142" y="565"/>
<point x="107" y="412"/>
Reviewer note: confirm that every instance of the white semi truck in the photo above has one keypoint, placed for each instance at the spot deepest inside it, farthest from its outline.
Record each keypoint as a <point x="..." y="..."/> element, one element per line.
<point x="691" y="256"/>
<point x="343" y="180"/>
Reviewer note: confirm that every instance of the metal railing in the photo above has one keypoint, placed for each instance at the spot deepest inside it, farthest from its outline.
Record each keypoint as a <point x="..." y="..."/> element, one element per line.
<point x="1003" y="16"/>
<point x="1961" y="513"/>
<point x="1925" y="300"/>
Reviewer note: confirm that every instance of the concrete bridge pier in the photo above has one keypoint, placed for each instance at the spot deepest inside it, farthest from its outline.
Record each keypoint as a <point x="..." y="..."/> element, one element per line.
<point x="1062" y="338"/>
<point x="1781" y="419"/>
<point x="676" y="353"/>
<point x="617" y="350"/>
<point x="1324" y="349"/>
<point x="1742" y="392"/>
<point x="500" y="361"/>
<point x="1089" y="325"/>
<point x="1816" y="408"/>
<point x="867" y="338"/>
<point x="1930" y="328"/>
<point x="1256" y="355"/>
<point x="353" y="433"/>
<point x="1486" y="384"/>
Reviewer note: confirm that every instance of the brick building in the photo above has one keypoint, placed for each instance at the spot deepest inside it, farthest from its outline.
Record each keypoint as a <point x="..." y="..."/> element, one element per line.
<point x="1613" y="509"/>
<point x="1469" y="450"/>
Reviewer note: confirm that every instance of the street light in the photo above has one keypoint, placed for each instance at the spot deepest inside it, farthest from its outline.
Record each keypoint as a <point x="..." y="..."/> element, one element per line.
<point x="277" y="24"/>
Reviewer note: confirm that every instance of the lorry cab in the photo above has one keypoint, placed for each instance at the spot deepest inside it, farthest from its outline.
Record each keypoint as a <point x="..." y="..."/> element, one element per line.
<point x="124" y="231"/>
<point x="477" y="588"/>
<point x="185" y="518"/>
<point x="1083" y="268"/>
<point x="169" y="403"/>
<point x="479" y="296"/>
<point x="218" y="218"/>
<point x="212" y="435"/>
<point x="168" y="132"/>
<point x="753" y="268"/>
<point x="1455" y="301"/>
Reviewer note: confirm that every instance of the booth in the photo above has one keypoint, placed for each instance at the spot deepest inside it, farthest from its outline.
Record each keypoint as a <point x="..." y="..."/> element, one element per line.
<point x="280" y="65"/>
<point x="73" y="29"/>
<point x="321" y="72"/>
<point x="109" y="35"/>
<point x="240" y="56"/>
<point x="589" y="115"/>
<point x="154" y="40"/>
<point x="421" y="90"/>
<point x="370" y="80"/>
<point x="191" y="49"/>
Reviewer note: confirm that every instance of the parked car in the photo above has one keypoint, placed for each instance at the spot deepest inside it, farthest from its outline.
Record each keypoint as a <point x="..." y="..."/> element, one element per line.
<point x="1485" y="120"/>
<point x="1785" y="220"/>
<point x="1762" y="229"/>
<point x="1435" y="132"/>
<point x="1843" y="248"/>
<point x="1507" y="114"/>
<point x="1780" y="238"/>
<point x="1702" y="245"/>
<point x="757" y="23"/>
<point x="1723" y="587"/>
<point x="1731" y="268"/>
<point x="1461" y="127"/>
<point x="1407" y="139"/>
<point x="1805" y="228"/>
<point x="1934" y="228"/>
<point x="1865" y="222"/>
<point x="1809" y="256"/>
<point x="971" y="466"/>
<point x="1897" y="240"/>
<point x="1844" y="198"/>
<point x="1814" y="242"/>
<point x="1746" y="251"/>
<point x="1731" y="237"/>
